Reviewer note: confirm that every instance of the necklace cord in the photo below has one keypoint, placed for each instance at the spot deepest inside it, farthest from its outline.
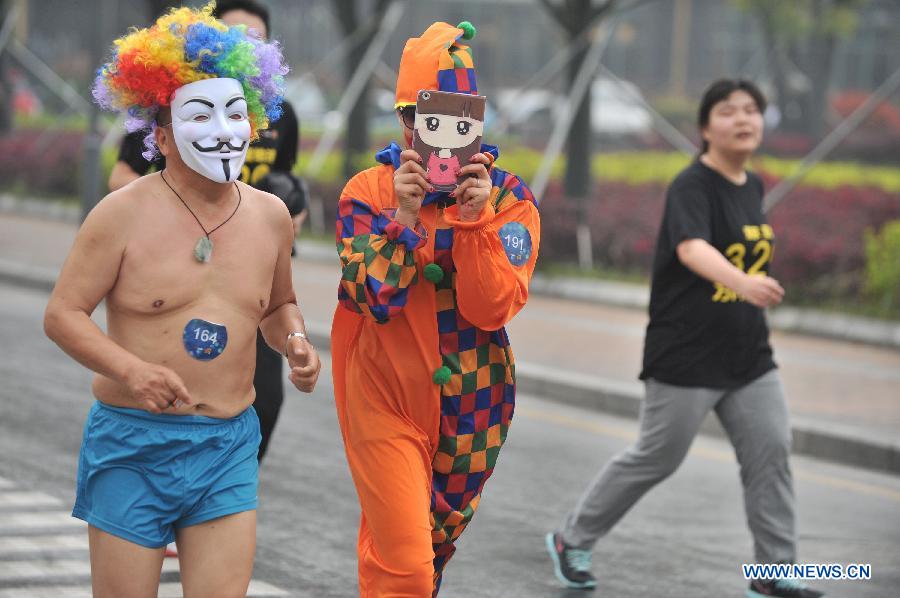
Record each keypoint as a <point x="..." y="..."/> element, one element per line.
<point x="200" y="224"/>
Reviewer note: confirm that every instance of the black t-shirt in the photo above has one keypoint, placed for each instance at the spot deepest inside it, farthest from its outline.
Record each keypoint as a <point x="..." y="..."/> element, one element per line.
<point x="131" y="153"/>
<point x="702" y="333"/>
<point x="275" y="150"/>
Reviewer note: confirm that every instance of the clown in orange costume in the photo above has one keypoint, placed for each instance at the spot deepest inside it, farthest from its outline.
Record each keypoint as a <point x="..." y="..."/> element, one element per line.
<point x="424" y="376"/>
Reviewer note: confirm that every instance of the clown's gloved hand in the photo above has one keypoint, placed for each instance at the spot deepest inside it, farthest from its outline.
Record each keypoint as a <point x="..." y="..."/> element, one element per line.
<point x="410" y="186"/>
<point x="475" y="191"/>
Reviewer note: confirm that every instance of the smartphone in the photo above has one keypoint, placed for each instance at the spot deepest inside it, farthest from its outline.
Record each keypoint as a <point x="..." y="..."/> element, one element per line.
<point x="447" y="134"/>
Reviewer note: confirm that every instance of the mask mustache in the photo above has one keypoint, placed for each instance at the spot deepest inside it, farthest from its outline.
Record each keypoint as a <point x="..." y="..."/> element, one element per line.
<point x="218" y="147"/>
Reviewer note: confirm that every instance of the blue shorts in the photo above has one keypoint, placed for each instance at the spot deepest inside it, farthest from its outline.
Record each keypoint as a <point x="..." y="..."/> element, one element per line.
<point x="141" y="475"/>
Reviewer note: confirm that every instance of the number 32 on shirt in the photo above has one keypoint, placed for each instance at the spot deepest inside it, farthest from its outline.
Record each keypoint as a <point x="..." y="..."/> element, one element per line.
<point x="760" y="255"/>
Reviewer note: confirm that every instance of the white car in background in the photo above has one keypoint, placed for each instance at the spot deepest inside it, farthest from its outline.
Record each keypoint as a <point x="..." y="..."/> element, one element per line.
<point x="614" y="109"/>
<point x="306" y="97"/>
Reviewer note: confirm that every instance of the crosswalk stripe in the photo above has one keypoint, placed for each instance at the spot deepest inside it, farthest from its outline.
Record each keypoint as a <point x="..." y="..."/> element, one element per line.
<point x="261" y="588"/>
<point x="27" y="499"/>
<point x="18" y="570"/>
<point x="48" y="592"/>
<point x="12" y="571"/>
<point x="32" y="544"/>
<point x="257" y="589"/>
<point x="48" y="568"/>
<point x="35" y="521"/>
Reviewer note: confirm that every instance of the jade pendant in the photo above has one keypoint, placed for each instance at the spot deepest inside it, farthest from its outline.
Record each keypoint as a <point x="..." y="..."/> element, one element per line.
<point x="203" y="250"/>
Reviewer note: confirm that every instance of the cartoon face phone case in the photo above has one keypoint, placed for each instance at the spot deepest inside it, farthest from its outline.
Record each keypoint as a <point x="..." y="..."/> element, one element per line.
<point x="447" y="134"/>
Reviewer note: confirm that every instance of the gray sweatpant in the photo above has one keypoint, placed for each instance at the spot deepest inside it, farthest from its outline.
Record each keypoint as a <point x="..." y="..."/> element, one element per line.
<point x="755" y="418"/>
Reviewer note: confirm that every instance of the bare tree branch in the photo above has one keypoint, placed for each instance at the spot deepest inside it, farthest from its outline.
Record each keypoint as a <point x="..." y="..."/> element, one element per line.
<point x="634" y="4"/>
<point x="598" y="12"/>
<point x="553" y="10"/>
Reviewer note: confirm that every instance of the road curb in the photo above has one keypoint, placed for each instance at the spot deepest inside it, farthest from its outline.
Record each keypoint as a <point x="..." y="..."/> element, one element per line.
<point x="603" y="395"/>
<point x="39" y="279"/>
<point x="842" y="327"/>
<point x="624" y="399"/>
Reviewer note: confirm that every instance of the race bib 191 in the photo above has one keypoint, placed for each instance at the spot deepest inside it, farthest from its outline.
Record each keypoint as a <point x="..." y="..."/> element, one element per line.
<point x="516" y="242"/>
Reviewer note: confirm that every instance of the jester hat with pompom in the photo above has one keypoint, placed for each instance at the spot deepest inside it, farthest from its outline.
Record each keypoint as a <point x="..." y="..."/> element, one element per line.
<point x="183" y="46"/>
<point x="437" y="61"/>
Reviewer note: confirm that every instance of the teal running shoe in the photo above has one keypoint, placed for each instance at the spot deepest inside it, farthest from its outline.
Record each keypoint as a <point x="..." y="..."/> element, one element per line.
<point x="782" y="588"/>
<point x="571" y="565"/>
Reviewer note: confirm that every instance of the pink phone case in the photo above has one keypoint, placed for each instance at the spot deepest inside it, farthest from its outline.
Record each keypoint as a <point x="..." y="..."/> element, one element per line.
<point x="448" y="132"/>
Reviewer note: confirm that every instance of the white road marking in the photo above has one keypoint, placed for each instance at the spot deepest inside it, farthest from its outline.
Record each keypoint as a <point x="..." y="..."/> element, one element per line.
<point x="257" y="589"/>
<point x="36" y="521"/>
<point x="19" y="498"/>
<point x="13" y="569"/>
<point x="37" y="544"/>
<point x="48" y="568"/>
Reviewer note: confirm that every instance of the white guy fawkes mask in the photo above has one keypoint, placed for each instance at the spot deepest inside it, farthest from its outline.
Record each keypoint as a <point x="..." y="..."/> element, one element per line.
<point x="211" y="127"/>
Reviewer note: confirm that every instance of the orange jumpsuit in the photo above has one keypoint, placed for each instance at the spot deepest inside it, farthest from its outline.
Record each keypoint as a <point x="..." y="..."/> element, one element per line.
<point x="424" y="376"/>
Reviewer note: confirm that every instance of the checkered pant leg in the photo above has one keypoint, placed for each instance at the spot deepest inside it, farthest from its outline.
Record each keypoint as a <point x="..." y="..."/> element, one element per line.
<point x="473" y="429"/>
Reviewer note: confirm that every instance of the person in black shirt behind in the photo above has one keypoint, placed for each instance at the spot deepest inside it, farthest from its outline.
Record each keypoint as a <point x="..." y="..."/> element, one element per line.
<point x="268" y="168"/>
<point x="707" y="347"/>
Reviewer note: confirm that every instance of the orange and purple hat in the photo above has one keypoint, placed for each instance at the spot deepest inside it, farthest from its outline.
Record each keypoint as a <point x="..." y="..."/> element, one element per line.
<point x="437" y="61"/>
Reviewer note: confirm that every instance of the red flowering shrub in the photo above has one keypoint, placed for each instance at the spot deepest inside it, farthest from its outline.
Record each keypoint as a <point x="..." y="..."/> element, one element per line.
<point x="623" y="220"/>
<point x="44" y="162"/>
<point x="877" y="139"/>
<point x="820" y="234"/>
<point x="821" y="237"/>
<point x="885" y="116"/>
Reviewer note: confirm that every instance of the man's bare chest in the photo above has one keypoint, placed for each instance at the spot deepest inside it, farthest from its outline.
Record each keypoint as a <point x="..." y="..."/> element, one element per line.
<point x="159" y="272"/>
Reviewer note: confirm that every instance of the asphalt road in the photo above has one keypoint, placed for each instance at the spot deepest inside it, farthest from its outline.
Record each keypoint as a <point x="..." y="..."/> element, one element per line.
<point x="687" y="538"/>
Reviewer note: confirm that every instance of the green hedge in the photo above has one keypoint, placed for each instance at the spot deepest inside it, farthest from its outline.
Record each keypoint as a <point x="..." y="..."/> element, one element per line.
<point x="883" y="267"/>
<point x="831" y="175"/>
<point x="639" y="168"/>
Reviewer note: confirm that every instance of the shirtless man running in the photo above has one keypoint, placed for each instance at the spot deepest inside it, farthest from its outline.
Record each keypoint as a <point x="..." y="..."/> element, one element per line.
<point x="170" y="445"/>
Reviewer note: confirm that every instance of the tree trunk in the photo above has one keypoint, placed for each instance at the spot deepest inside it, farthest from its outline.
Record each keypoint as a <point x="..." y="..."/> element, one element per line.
<point x="576" y="17"/>
<point x="578" y="144"/>
<point x="356" y="140"/>
<point x="819" y="60"/>
<point x="775" y="58"/>
<point x="157" y="7"/>
<point x="6" y="93"/>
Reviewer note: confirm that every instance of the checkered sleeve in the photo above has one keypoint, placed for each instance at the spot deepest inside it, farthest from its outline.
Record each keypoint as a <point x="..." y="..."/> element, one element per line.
<point x="495" y="255"/>
<point x="378" y="259"/>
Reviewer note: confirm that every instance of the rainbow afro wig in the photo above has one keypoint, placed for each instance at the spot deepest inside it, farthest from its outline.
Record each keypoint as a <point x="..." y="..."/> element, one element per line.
<point x="183" y="46"/>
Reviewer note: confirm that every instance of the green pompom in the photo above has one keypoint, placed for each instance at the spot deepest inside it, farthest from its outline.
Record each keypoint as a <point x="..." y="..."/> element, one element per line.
<point x="433" y="273"/>
<point x="468" y="28"/>
<point x="441" y="375"/>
